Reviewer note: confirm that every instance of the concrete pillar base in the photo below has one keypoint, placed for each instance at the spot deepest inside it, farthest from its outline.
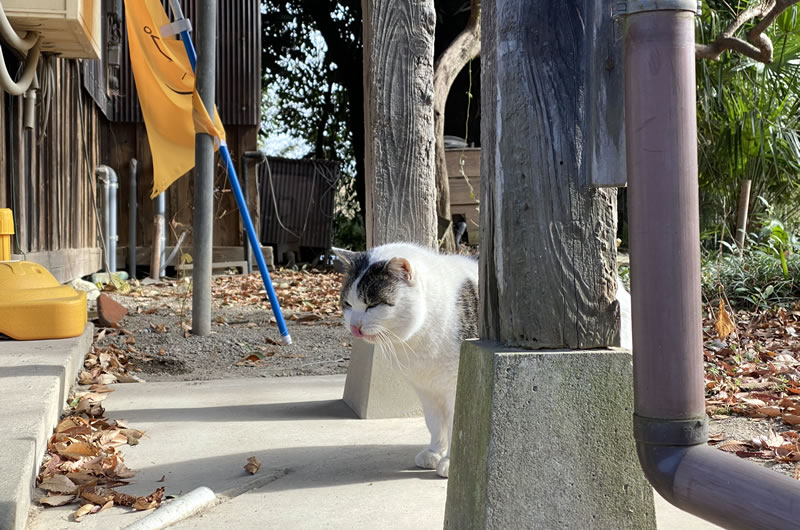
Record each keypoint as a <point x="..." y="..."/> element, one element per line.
<point x="375" y="389"/>
<point x="543" y="439"/>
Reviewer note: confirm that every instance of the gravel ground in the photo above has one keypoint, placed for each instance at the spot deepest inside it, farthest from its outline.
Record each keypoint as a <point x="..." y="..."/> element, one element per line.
<point x="244" y="340"/>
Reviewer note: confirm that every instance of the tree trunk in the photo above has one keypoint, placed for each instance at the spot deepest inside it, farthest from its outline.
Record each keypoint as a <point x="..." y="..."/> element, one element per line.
<point x="545" y="231"/>
<point x="398" y="97"/>
<point x="465" y="47"/>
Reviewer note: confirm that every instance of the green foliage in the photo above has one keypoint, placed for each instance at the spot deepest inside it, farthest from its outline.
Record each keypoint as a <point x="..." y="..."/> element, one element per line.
<point x="766" y="274"/>
<point x="748" y="122"/>
<point x="312" y="72"/>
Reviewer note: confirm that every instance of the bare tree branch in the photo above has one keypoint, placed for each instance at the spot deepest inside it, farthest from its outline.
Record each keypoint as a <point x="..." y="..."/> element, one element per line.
<point x="759" y="46"/>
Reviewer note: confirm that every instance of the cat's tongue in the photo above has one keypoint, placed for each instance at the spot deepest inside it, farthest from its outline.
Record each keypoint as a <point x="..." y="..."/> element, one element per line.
<point x="356" y="331"/>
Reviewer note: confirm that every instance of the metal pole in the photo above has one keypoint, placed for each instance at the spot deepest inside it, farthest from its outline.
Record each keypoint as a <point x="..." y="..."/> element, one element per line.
<point x="110" y="186"/>
<point x="132" y="206"/>
<point x="202" y="228"/>
<point x="258" y="158"/>
<point x="286" y="338"/>
<point x="669" y="421"/>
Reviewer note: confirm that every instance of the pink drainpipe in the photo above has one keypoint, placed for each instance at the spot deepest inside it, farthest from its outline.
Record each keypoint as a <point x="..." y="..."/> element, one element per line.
<point x="670" y="424"/>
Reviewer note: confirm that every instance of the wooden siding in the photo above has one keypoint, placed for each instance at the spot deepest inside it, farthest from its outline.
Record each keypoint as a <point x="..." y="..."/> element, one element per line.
<point x="129" y="140"/>
<point x="44" y="175"/>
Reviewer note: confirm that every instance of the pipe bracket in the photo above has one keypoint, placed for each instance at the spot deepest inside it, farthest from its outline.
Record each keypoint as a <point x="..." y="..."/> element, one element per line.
<point x="629" y="7"/>
<point x="653" y="431"/>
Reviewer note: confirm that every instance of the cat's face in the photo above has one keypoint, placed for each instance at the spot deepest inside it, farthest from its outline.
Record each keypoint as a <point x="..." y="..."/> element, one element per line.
<point x="379" y="299"/>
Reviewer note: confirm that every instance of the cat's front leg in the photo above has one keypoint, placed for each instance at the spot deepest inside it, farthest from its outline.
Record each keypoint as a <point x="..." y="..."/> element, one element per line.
<point x="443" y="467"/>
<point x="435" y="419"/>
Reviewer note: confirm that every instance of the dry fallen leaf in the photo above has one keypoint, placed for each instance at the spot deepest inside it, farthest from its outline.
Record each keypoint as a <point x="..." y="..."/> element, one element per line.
<point x="58" y="484"/>
<point x="86" y="509"/>
<point x="791" y="419"/>
<point x="253" y="465"/>
<point x="723" y="325"/>
<point x="56" y="500"/>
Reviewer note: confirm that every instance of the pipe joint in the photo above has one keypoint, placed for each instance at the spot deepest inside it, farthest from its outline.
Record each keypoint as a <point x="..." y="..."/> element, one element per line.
<point x="684" y="432"/>
<point x="629" y="7"/>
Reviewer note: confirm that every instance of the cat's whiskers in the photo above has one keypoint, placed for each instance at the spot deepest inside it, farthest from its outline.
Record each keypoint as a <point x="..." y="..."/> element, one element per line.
<point x="393" y="339"/>
<point x="386" y="346"/>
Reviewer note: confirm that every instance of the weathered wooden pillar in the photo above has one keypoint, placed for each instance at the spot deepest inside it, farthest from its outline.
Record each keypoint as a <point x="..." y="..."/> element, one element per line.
<point x="399" y="161"/>
<point x="542" y="434"/>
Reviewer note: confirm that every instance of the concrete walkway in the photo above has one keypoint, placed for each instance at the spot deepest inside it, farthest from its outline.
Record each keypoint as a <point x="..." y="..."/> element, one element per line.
<point x="321" y="467"/>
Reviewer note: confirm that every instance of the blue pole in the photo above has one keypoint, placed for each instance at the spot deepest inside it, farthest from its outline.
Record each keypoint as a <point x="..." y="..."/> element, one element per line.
<point x="233" y="178"/>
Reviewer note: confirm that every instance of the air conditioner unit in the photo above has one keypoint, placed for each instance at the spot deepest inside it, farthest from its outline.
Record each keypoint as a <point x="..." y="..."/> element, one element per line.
<point x="71" y="28"/>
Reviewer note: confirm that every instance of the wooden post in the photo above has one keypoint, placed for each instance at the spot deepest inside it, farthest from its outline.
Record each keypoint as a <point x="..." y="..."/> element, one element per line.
<point x="545" y="231"/>
<point x="398" y="119"/>
<point x="741" y="217"/>
<point x="399" y="160"/>
<point x="547" y="282"/>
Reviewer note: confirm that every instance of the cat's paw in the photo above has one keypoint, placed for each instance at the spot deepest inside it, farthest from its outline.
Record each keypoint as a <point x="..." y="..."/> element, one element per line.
<point x="427" y="459"/>
<point x="443" y="467"/>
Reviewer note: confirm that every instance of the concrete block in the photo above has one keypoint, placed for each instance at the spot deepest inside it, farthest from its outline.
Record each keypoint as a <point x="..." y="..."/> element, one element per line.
<point x="543" y="439"/>
<point x="374" y="389"/>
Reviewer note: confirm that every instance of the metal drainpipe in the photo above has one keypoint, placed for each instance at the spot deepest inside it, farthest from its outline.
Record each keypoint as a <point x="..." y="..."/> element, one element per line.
<point x="133" y="167"/>
<point x="161" y="210"/>
<point x="670" y="425"/>
<point x="258" y="158"/>
<point x="110" y="186"/>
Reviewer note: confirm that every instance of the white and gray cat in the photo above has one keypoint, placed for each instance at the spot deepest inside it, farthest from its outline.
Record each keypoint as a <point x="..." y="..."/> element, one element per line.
<point x="417" y="307"/>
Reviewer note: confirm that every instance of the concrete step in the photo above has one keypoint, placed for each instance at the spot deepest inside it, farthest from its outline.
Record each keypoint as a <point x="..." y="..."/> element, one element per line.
<point x="35" y="378"/>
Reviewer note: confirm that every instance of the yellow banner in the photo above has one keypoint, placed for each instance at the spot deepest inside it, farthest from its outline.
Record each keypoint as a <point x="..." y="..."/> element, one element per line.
<point x="173" y="111"/>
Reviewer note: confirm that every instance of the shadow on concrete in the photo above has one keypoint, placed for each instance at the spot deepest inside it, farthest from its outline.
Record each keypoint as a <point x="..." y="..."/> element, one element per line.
<point x="295" y="467"/>
<point x="301" y="410"/>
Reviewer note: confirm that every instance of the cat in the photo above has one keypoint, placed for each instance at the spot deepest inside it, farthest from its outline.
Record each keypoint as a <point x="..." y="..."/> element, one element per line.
<point x="417" y="306"/>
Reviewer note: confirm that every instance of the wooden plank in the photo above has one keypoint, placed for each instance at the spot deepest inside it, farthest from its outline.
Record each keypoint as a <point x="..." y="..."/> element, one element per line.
<point x="67" y="264"/>
<point x="218" y="254"/>
<point x="460" y="190"/>
<point x="604" y="101"/>
<point x="472" y="161"/>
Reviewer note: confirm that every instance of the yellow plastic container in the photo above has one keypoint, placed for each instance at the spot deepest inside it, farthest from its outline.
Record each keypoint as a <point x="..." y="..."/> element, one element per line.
<point x="33" y="305"/>
<point x="6" y="231"/>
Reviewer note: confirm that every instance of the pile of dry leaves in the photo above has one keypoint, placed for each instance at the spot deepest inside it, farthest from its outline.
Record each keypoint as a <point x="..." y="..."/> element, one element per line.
<point x="753" y="369"/>
<point x="307" y="291"/>
<point x="83" y="463"/>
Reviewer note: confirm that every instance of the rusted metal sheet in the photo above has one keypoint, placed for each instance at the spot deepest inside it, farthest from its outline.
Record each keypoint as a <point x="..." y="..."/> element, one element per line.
<point x="297" y="199"/>
<point x="238" y="65"/>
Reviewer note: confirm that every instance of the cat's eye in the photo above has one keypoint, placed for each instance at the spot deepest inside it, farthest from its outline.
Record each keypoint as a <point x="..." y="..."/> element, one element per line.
<point x="370" y="306"/>
<point x="346" y="305"/>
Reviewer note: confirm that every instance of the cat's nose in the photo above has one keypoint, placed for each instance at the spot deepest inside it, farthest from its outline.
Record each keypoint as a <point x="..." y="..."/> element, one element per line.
<point x="356" y="331"/>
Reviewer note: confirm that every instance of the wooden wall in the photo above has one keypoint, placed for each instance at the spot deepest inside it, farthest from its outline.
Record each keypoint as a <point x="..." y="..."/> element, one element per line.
<point x="129" y="140"/>
<point x="45" y="177"/>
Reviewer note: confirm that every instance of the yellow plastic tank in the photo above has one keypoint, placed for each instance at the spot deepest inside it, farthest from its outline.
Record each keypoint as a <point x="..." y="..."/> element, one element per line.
<point x="33" y="305"/>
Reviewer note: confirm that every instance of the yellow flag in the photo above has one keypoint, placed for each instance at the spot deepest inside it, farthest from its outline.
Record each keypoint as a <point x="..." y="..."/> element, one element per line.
<point x="173" y="111"/>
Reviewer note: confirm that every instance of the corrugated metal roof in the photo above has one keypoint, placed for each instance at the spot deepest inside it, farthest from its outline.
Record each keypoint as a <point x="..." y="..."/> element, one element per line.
<point x="238" y="65"/>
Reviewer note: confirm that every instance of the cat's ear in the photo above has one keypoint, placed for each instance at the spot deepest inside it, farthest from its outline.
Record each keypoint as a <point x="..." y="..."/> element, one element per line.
<point x="345" y="261"/>
<point x="401" y="268"/>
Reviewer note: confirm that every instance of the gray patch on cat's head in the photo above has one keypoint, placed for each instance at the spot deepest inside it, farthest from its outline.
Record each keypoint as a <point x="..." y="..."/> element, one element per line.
<point x="467" y="306"/>
<point x="378" y="285"/>
<point x="355" y="267"/>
